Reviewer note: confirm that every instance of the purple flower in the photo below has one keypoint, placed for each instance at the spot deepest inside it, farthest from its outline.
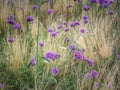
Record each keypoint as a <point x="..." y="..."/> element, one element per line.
<point x="66" y="29"/>
<point x="10" y="40"/>
<point x="89" y="76"/>
<point x="50" y="30"/>
<point x="54" y="34"/>
<point x="111" y="12"/>
<point x="64" y="23"/>
<point x="109" y="86"/>
<point x="67" y="40"/>
<point x="118" y="56"/>
<point x="90" y="62"/>
<point x="83" y="50"/>
<point x="50" y="11"/>
<point x="96" y="84"/>
<point x="82" y="31"/>
<point x="77" y="23"/>
<point x="78" y="55"/>
<point x="30" y="19"/>
<point x="59" y="27"/>
<point x="55" y="71"/>
<point x="86" y="21"/>
<point x="57" y="56"/>
<point x="86" y="7"/>
<point x="11" y="16"/>
<point x="69" y="6"/>
<point x="32" y="62"/>
<point x="51" y="56"/>
<point x="35" y="7"/>
<point x="93" y="1"/>
<point x="85" y="17"/>
<point x="72" y="47"/>
<point x="16" y="26"/>
<point x="10" y="21"/>
<point x="1" y="85"/>
<point x="41" y="44"/>
<point x="72" y="24"/>
<point x="84" y="57"/>
<point x="94" y="73"/>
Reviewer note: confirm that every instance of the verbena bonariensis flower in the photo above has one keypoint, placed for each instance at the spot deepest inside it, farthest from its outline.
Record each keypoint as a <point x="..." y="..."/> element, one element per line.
<point x="67" y="40"/>
<point x="41" y="44"/>
<point x="32" y="62"/>
<point x="72" y="24"/>
<point x="54" y="34"/>
<point x="78" y="55"/>
<point x="69" y="6"/>
<point x="96" y="84"/>
<point x="85" y="17"/>
<point x="55" y="71"/>
<point x="86" y="7"/>
<point x="11" y="40"/>
<point x="51" y="56"/>
<point x="50" y="11"/>
<point x="11" y="21"/>
<point x="93" y="1"/>
<point x="59" y="27"/>
<point x="11" y="16"/>
<point x="82" y="31"/>
<point x="94" y="73"/>
<point x="109" y="86"/>
<point x="83" y="50"/>
<point x="89" y="76"/>
<point x="105" y="3"/>
<point x="35" y="7"/>
<point x="30" y="19"/>
<point x="86" y="21"/>
<point x="77" y="23"/>
<point x="64" y="23"/>
<point x="1" y="85"/>
<point x="50" y="29"/>
<point x="66" y="29"/>
<point x="111" y="12"/>
<point x="90" y="62"/>
<point x="72" y="47"/>
<point x="16" y="26"/>
<point x="118" y="56"/>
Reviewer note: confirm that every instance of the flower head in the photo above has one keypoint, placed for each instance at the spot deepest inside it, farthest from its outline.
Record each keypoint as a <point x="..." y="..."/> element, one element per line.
<point x="109" y="86"/>
<point x="50" y="11"/>
<point x="59" y="27"/>
<point x="96" y="84"/>
<point x="66" y="29"/>
<point x="85" y="17"/>
<point x="67" y="40"/>
<point x="35" y="7"/>
<point x="90" y="62"/>
<point x="16" y="26"/>
<point x="94" y="73"/>
<point x="50" y="30"/>
<point x="86" y="21"/>
<point x="78" y="55"/>
<point x="86" y="7"/>
<point x="89" y="76"/>
<point x="10" y="40"/>
<point x="54" y="34"/>
<point x="82" y="31"/>
<point x="41" y="44"/>
<point x="72" y="47"/>
<point x="69" y="6"/>
<point x="93" y="1"/>
<point x="55" y="71"/>
<point x="32" y="62"/>
<point x="72" y="24"/>
<point x="30" y="19"/>
<point x="1" y="85"/>
<point x="111" y="12"/>
<point x="11" y="21"/>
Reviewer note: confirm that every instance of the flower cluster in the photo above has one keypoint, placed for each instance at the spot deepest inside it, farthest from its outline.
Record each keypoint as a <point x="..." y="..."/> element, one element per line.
<point x="55" y="71"/>
<point x="51" y="56"/>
